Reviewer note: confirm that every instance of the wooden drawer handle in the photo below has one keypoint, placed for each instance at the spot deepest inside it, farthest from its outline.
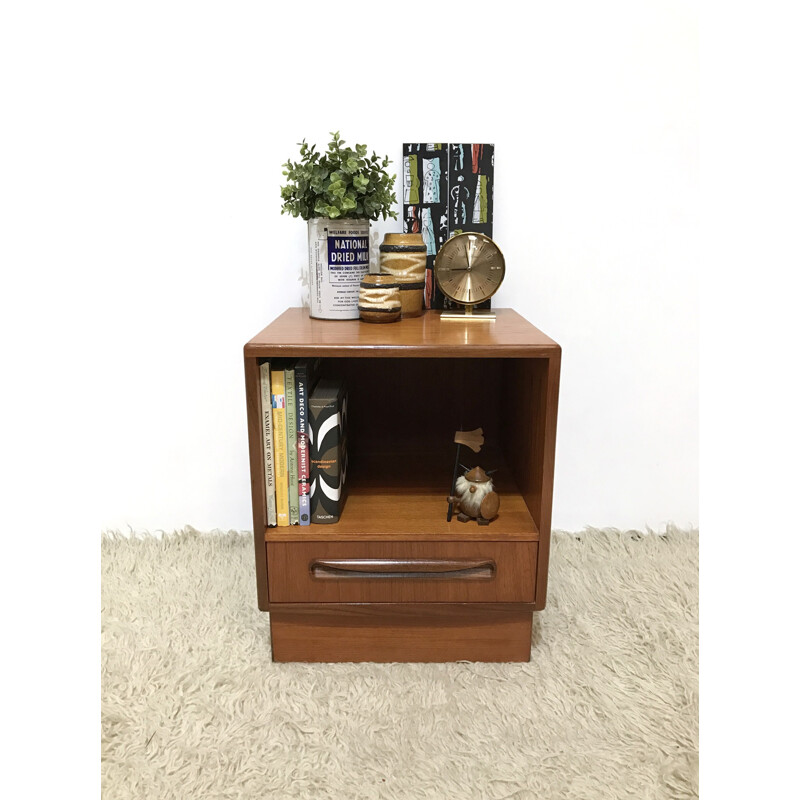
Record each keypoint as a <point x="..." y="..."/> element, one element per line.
<point x="411" y="568"/>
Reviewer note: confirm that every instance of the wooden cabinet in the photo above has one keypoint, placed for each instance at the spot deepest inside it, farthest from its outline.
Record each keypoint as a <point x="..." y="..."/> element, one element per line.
<point x="393" y="580"/>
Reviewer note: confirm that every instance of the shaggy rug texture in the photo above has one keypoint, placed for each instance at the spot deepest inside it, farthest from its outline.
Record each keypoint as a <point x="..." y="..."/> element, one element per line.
<point x="193" y="707"/>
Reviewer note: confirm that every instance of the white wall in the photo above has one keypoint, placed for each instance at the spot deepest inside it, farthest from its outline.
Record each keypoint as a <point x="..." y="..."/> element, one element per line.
<point x="592" y="109"/>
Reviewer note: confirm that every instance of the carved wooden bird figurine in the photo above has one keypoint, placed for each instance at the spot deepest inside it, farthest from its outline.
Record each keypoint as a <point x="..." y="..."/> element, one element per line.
<point x="475" y="497"/>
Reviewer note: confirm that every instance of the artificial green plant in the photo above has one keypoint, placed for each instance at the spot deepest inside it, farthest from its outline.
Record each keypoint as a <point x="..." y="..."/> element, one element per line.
<point x="339" y="184"/>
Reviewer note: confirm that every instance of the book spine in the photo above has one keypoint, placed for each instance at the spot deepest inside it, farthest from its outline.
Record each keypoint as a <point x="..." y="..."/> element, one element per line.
<point x="269" y="453"/>
<point x="291" y="444"/>
<point x="279" y="435"/>
<point x="305" y="374"/>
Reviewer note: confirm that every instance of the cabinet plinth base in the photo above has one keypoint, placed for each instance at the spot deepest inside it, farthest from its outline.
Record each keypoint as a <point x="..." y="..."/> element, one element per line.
<point x="410" y="632"/>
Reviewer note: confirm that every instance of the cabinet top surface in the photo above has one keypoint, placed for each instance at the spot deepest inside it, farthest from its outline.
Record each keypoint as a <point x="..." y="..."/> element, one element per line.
<point x="295" y="333"/>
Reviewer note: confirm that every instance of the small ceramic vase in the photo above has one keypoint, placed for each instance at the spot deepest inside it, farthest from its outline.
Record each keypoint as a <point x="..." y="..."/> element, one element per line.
<point x="379" y="298"/>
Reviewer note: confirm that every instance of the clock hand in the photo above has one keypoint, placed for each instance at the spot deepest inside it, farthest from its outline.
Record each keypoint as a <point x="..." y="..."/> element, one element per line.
<point x="465" y="285"/>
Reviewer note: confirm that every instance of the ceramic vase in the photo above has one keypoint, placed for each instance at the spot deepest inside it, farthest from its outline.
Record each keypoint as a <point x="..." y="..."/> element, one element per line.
<point x="379" y="298"/>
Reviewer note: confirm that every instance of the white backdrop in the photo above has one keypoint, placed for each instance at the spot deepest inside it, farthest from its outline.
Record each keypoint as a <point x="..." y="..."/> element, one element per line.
<point x="592" y="109"/>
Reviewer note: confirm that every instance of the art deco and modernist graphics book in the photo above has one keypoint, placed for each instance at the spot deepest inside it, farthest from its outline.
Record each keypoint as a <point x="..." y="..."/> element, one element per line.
<point x="291" y="443"/>
<point x="447" y="189"/>
<point x="306" y="372"/>
<point x="269" y="453"/>
<point x="327" y="407"/>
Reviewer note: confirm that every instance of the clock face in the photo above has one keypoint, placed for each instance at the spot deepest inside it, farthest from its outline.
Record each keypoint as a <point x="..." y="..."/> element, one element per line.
<point x="469" y="268"/>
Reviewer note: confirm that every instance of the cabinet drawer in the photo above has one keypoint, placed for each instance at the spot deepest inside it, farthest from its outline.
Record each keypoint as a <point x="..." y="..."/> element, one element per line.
<point x="401" y="572"/>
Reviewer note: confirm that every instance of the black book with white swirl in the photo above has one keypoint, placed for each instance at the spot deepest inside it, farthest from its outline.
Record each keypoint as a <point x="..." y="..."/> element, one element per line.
<point x="327" y="431"/>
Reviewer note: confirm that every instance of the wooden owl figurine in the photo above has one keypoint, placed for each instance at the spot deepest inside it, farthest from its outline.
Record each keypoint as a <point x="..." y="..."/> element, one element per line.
<point x="475" y="497"/>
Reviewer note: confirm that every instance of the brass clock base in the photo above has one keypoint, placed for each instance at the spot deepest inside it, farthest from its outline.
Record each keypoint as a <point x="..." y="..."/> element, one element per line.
<point x="469" y="315"/>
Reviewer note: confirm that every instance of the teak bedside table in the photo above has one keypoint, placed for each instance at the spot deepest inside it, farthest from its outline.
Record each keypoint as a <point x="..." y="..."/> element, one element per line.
<point x="405" y="584"/>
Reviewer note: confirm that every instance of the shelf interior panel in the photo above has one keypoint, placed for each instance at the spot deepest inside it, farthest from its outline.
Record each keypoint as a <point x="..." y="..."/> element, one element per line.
<point x="406" y="499"/>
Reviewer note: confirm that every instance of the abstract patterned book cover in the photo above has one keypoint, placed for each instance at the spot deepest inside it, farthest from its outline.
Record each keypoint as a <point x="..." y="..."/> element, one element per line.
<point x="447" y="189"/>
<point x="327" y="435"/>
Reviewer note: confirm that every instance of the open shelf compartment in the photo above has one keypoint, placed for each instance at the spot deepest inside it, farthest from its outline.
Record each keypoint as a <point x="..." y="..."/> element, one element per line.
<point x="411" y="510"/>
<point x="402" y="417"/>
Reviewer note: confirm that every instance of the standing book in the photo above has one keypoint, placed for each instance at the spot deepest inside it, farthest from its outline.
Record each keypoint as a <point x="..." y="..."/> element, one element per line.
<point x="327" y="409"/>
<point x="269" y="454"/>
<point x="291" y="443"/>
<point x="279" y="437"/>
<point x="306" y="371"/>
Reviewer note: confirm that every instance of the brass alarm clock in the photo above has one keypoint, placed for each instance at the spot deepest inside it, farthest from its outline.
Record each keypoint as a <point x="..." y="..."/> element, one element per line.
<point x="469" y="269"/>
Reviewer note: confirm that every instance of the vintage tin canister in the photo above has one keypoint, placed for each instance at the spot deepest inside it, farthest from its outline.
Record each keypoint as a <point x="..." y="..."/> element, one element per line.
<point x="338" y="258"/>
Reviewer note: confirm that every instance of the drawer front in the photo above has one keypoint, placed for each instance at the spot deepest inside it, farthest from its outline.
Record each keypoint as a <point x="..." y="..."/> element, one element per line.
<point x="401" y="572"/>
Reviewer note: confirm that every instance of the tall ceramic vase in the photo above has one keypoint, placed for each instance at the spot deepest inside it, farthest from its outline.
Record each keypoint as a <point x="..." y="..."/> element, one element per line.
<point x="338" y="258"/>
<point x="404" y="255"/>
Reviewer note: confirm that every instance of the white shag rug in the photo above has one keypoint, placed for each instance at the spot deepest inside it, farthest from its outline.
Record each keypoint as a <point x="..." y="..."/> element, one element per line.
<point x="193" y="707"/>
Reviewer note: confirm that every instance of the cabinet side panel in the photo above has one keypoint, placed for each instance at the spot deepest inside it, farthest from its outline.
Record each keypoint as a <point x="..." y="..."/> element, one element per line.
<point x="546" y="446"/>
<point x="520" y="422"/>
<point x="528" y="434"/>
<point x="257" y="483"/>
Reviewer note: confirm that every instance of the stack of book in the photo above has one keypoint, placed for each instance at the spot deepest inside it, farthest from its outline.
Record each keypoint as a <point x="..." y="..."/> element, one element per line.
<point x="305" y="449"/>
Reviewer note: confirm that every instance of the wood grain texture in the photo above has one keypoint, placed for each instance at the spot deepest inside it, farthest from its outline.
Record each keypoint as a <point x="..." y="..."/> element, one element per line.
<point x="528" y="433"/>
<point x="295" y="333"/>
<point x="401" y="632"/>
<point x="291" y="579"/>
<point x="403" y="413"/>
<point x="400" y="492"/>
<point x="257" y="478"/>
<point x="547" y="448"/>
<point x="415" y="514"/>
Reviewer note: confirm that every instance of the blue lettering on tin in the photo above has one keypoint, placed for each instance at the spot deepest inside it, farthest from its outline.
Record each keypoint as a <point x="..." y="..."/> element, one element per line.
<point x="343" y="250"/>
